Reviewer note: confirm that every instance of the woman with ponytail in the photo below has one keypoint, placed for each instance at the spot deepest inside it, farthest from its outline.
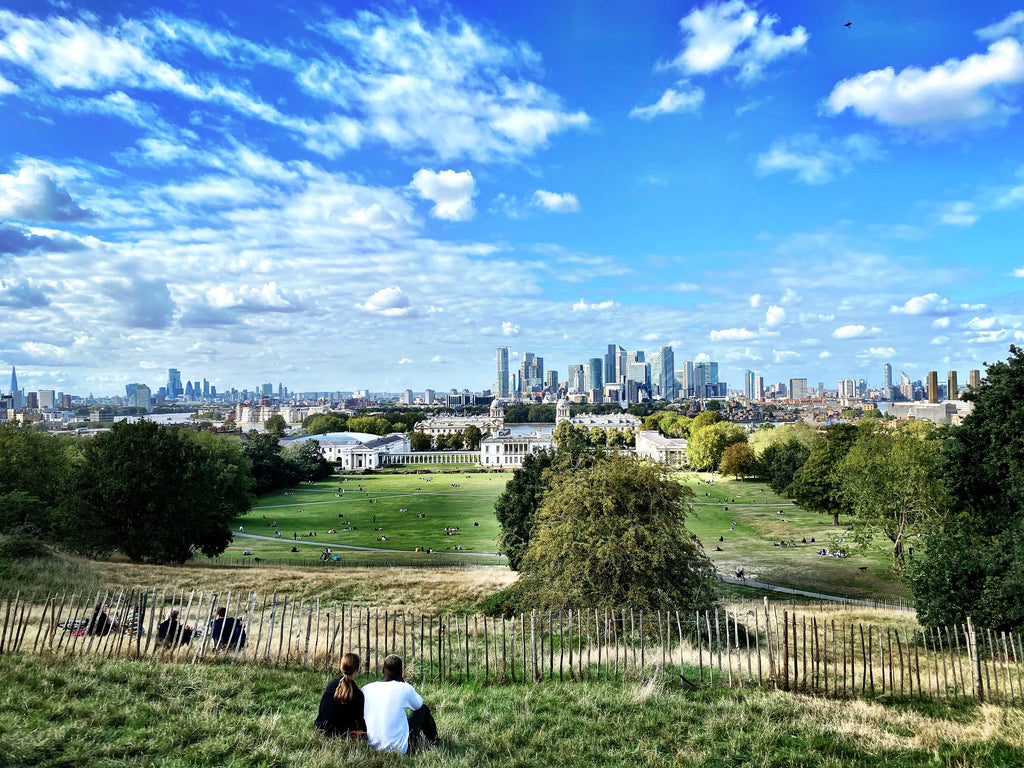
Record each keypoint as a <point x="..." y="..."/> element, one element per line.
<point x="341" y="706"/>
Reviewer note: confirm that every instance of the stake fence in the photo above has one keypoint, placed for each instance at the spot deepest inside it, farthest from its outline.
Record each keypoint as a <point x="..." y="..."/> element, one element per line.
<point x="813" y="650"/>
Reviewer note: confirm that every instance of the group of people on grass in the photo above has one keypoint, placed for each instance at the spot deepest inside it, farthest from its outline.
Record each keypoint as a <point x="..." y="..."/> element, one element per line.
<point x="377" y="712"/>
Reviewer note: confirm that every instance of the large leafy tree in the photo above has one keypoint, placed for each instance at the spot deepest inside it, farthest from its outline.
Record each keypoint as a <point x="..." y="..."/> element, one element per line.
<point x="817" y="485"/>
<point x="157" y="494"/>
<point x="974" y="563"/>
<point x="268" y="466"/>
<point x="707" y="444"/>
<point x="276" y="425"/>
<point x="322" y="423"/>
<point x="890" y="479"/>
<point x="33" y="469"/>
<point x="613" y="534"/>
<point x="738" y="460"/>
<point x="780" y="462"/>
<point x="307" y="460"/>
<point x="517" y="506"/>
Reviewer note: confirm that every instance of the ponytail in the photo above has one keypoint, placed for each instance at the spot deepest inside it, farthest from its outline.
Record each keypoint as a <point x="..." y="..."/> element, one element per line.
<point x="347" y="684"/>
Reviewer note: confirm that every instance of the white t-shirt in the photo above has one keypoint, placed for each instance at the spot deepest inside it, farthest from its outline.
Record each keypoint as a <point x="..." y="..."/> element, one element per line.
<point x="387" y="727"/>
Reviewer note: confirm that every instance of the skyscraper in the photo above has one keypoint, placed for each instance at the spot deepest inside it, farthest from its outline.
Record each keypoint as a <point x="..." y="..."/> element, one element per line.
<point x="14" y="380"/>
<point x="952" y="390"/>
<point x="748" y="385"/>
<point x="174" y="388"/>
<point x="887" y="375"/>
<point x="501" y="387"/>
<point x="798" y="389"/>
<point x="685" y="377"/>
<point x="577" y="380"/>
<point x="664" y="380"/>
<point x="974" y="379"/>
<point x="594" y="371"/>
<point x="612" y="374"/>
<point x="933" y="386"/>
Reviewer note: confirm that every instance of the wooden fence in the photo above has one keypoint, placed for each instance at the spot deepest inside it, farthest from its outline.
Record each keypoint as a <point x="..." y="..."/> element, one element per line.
<point x="814" y="650"/>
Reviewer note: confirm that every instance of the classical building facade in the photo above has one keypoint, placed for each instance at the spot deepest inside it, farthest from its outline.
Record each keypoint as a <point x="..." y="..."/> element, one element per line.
<point x="356" y="450"/>
<point x="449" y="425"/>
<point x="504" y="449"/>
<point x="664" y="450"/>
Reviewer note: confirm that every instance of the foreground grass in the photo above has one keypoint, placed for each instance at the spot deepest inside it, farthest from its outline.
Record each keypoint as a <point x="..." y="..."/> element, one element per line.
<point x="120" y="713"/>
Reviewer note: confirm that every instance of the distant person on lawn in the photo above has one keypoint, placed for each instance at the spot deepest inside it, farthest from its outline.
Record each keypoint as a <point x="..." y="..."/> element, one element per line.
<point x="388" y="728"/>
<point x="341" y="706"/>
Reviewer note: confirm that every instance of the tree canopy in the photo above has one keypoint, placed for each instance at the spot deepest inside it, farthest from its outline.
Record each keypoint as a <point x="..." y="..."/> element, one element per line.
<point x="706" y="445"/>
<point x="974" y="561"/>
<point x="613" y="534"/>
<point x="517" y="506"/>
<point x="158" y="494"/>
<point x="817" y="485"/>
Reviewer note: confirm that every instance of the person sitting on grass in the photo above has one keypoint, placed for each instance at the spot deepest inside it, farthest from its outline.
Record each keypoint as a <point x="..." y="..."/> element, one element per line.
<point x="388" y="728"/>
<point x="341" y="706"/>
<point x="170" y="631"/>
<point x="227" y="632"/>
<point x="102" y="623"/>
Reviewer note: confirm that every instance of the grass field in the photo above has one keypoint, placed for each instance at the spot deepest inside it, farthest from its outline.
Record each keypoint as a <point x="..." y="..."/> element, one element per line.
<point x="754" y="508"/>
<point x="125" y="714"/>
<point x="411" y="511"/>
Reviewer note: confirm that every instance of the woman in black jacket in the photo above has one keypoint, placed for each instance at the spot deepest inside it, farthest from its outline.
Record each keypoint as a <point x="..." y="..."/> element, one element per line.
<point x="341" y="706"/>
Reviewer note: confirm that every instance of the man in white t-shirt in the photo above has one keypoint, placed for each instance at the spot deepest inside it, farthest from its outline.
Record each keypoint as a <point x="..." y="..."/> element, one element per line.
<point x="388" y="728"/>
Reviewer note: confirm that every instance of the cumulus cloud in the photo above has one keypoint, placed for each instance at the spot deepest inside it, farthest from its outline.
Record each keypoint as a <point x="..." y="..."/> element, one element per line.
<point x="881" y="352"/>
<point x="17" y="242"/>
<point x="930" y="303"/>
<point x="509" y="328"/>
<point x="960" y="213"/>
<point x="1018" y="272"/>
<point x="451" y="193"/>
<point x="405" y="361"/>
<point x="940" y="322"/>
<point x="956" y="91"/>
<point x="6" y="86"/>
<point x="733" y="34"/>
<point x="267" y="298"/>
<point x="775" y="315"/>
<point x="21" y="294"/>
<point x="814" y="161"/>
<point x="732" y="334"/>
<point x="32" y="194"/>
<point x="672" y="101"/>
<point x="583" y="306"/>
<point x="556" y="202"/>
<point x="145" y="303"/>
<point x="438" y="359"/>
<point x="824" y="354"/>
<point x="852" y="331"/>
<point x="755" y="300"/>
<point x="390" y="302"/>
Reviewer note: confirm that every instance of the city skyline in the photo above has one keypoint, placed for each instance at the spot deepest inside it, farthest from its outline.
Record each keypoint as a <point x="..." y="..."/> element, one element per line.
<point x="377" y="199"/>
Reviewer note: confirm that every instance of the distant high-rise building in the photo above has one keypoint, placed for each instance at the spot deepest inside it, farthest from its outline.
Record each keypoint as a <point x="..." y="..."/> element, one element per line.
<point x="428" y="396"/>
<point x="887" y="375"/>
<point x="174" y="388"/>
<point x="143" y="397"/>
<point x="663" y="380"/>
<point x="31" y="401"/>
<point x="612" y="367"/>
<point x="206" y="388"/>
<point x="531" y="373"/>
<point x="798" y="389"/>
<point x="933" y="386"/>
<point x="759" y="388"/>
<point x="577" y="380"/>
<point x="47" y="399"/>
<point x="705" y="376"/>
<point x="821" y="389"/>
<point x="14" y="379"/>
<point x="974" y="379"/>
<point x="862" y="387"/>
<point x="551" y="384"/>
<point x="748" y="385"/>
<point x="595" y="374"/>
<point x="501" y="383"/>
<point x="685" y="378"/>
<point x="952" y="390"/>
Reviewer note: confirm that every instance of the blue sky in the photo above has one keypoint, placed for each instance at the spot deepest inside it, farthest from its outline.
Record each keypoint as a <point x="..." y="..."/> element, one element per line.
<point x="350" y="196"/>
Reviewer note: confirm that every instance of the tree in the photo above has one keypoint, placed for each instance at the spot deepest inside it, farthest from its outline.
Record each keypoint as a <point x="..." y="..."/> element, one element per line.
<point x="276" y="425"/>
<point x="891" y="482"/>
<point x="472" y="436"/>
<point x="817" y="485"/>
<point x="371" y="425"/>
<point x="613" y="534"/>
<point x="323" y="423"/>
<point x="738" y="460"/>
<point x="704" y="419"/>
<point x="973" y="563"/>
<point x="157" y="494"/>
<point x="780" y="462"/>
<point x="35" y="466"/>
<point x="419" y="441"/>
<point x="268" y="467"/>
<point x="518" y="504"/>
<point x="705" y="447"/>
<point x="306" y="461"/>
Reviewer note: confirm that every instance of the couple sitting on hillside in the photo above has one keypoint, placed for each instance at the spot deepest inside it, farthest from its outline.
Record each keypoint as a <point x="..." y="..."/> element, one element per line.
<point x="378" y="710"/>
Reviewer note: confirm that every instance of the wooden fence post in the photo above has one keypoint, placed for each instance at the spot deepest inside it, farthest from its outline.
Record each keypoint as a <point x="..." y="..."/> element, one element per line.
<point x="976" y="661"/>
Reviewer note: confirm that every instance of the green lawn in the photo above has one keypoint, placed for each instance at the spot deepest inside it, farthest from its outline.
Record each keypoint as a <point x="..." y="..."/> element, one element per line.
<point x="376" y="501"/>
<point x="754" y="508"/>
<point x="124" y="714"/>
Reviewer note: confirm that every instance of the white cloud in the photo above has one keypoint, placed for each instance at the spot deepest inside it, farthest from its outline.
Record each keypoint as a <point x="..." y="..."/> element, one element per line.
<point x="732" y="34"/>
<point x="1018" y="272"/>
<point x="954" y="91"/>
<point x="390" y="302"/>
<point x="405" y="361"/>
<point x="922" y="305"/>
<point x="958" y="214"/>
<point x="784" y="355"/>
<point x="775" y="315"/>
<point x="755" y="300"/>
<point x="702" y="357"/>
<point x="583" y="306"/>
<point x="824" y="354"/>
<point x="269" y="297"/>
<point x="509" y="328"/>
<point x="940" y="322"/>
<point x="940" y="340"/>
<point x="881" y="352"/>
<point x="672" y="102"/>
<point x="814" y="161"/>
<point x="1012" y="24"/>
<point x="33" y="194"/>
<point x="682" y="287"/>
<point x="851" y="331"/>
<point x="981" y="324"/>
<point x="6" y="86"/>
<point x="732" y="334"/>
<point x="438" y="359"/>
<point x="451" y="192"/>
<point x="556" y="202"/>
<point x="651" y="336"/>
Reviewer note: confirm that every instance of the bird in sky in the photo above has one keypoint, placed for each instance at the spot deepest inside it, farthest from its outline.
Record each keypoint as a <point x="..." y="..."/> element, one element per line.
<point x="848" y="24"/>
